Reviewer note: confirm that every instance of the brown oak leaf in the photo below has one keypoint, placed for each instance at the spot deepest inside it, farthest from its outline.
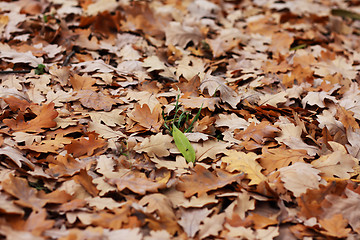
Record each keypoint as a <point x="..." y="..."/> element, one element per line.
<point x="17" y="104"/>
<point x="259" y="133"/>
<point x="276" y="158"/>
<point x="95" y="100"/>
<point x="202" y="181"/>
<point x="150" y="120"/>
<point x="335" y="226"/>
<point x="82" y="146"/>
<point x="44" y="119"/>
<point x="136" y="182"/>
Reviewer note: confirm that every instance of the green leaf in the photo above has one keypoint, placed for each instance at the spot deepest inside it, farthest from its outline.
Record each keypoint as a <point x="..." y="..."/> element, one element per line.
<point x="345" y="13"/>
<point x="183" y="144"/>
<point x="40" y="69"/>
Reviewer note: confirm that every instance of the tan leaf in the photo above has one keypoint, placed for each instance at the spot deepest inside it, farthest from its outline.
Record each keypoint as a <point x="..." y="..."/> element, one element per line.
<point x="348" y="207"/>
<point x="241" y="205"/>
<point x="110" y="119"/>
<point x="210" y="149"/>
<point x="95" y="100"/>
<point x="276" y="158"/>
<point x="299" y="177"/>
<point x="215" y="83"/>
<point x="338" y="163"/>
<point x="212" y="226"/>
<point x="159" y="203"/>
<point x="197" y="102"/>
<point x="156" y="145"/>
<point x="346" y="117"/>
<point x="150" y="120"/>
<point x="102" y="203"/>
<point x="191" y="219"/>
<point x="290" y="135"/>
<point x="244" y="162"/>
<point x="136" y="182"/>
<point x="180" y="35"/>
<point x="335" y="226"/>
<point x="15" y="155"/>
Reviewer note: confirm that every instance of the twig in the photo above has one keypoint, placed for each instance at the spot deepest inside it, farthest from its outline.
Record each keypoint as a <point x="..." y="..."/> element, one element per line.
<point x="67" y="59"/>
<point x="14" y="71"/>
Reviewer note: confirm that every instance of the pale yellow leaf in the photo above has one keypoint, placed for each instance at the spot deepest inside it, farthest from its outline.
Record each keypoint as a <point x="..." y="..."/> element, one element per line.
<point x="244" y="162"/>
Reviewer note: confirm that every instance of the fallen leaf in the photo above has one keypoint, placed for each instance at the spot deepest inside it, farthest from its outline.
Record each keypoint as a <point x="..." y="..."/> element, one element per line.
<point x="191" y="219"/>
<point x="44" y="119"/>
<point x="135" y="182"/>
<point x="156" y="145"/>
<point x="84" y="146"/>
<point x="95" y="100"/>
<point x="335" y="226"/>
<point x="338" y="163"/>
<point x="244" y="162"/>
<point x="276" y="158"/>
<point x="299" y="177"/>
<point x="212" y="225"/>
<point x="150" y="120"/>
<point x="347" y="207"/>
<point x="202" y="181"/>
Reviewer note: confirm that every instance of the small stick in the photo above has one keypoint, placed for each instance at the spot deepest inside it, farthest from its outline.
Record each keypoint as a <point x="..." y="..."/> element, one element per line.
<point x="67" y="59"/>
<point x="14" y="71"/>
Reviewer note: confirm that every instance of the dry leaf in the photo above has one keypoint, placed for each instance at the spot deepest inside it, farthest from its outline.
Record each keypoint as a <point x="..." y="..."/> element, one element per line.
<point x="239" y="161"/>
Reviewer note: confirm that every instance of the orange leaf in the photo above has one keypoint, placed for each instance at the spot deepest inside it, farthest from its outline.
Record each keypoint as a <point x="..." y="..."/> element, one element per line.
<point x="17" y="104"/>
<point x="261" y="221"/>
<point x="64" y="166"/>
<point x="86" y="181"/>
<point x="84" y="146"/>
<point x="82" y="82"/>
<point x="45" y="119"/>
<point x="27" y="196"/>
<point x="259" y="133"/>
<point x="37" y="223"/>
<point x="346" y="117"/>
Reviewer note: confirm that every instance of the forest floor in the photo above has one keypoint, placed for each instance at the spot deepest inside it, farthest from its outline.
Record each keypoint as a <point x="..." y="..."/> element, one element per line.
<point x="205" y="119"/>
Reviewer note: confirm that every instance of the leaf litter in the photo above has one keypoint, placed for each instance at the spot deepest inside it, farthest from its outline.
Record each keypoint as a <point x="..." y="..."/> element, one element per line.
<point x="271" y="89"/>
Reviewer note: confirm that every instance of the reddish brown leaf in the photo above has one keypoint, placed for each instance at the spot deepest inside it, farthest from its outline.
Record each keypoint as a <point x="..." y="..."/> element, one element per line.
<point x="86" y="181"/>
<point x="84" y="146"/>
<point x="64" y="166"/>
<point x="202" y="181"/>
<point x="259" y="133"/>
<point x="45" y="119"/>
<point x="17" y="104"/>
